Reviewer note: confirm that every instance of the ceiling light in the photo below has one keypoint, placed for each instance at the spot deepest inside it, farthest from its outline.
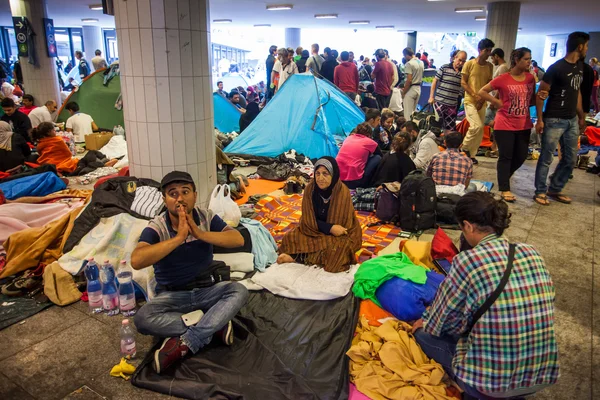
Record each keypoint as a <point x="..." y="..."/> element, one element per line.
<point x="480" y="18"/>
<point x="468" y="9"/>
<point x="222" y="21"/>
<point x="89" y="19"/>
<point x="96" y="7"/>
<point x="262" y="25"/>
<point x="385" y="27"/>
<point x="359" y="22"/>
<point x="279" y="7"/>
<point x="406" y="30"/>
<point x="435" y="0"/>
<point x="325" y="16"/>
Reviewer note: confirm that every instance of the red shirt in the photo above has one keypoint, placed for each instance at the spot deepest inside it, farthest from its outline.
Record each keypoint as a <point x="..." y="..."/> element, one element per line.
<point x="516" y="99"/>
<point x="26" y="110"/>
<point x="353" y="156"/>
<point x="384" y="76"/>
<point x="345" y="76"/>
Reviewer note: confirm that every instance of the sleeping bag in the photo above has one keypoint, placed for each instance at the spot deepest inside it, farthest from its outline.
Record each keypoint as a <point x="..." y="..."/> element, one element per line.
<point x="35" y="185"/>
<point x="407" y="300"/>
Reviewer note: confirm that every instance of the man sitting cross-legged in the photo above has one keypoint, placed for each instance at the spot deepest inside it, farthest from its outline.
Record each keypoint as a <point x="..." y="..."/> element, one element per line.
<point x="179" y="243"/>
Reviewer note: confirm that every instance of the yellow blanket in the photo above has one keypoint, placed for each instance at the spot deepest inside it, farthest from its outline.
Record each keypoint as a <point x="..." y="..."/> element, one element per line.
<point x="387" y="363"/>
<point x="29" y="247"/>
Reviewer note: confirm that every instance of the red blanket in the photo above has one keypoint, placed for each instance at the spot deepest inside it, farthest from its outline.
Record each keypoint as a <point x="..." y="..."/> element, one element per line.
<point x="593" y="135"/>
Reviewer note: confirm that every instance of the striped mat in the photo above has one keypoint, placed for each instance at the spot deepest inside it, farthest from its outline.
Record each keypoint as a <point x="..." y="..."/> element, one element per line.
<point x="280" y="215"/>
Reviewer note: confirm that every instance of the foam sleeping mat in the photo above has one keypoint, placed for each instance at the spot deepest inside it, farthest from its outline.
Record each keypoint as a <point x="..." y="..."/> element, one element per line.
<point x="283" y="349"/>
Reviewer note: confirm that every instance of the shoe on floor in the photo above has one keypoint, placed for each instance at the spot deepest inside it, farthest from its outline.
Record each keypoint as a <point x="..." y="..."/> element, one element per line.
<point x="226" y="334"/>
<point x="475" y="162"/>
<point x="171" y="351"/>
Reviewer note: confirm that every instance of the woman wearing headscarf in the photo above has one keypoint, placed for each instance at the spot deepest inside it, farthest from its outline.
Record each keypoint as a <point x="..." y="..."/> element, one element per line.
<point x="14" y="150"/>
<point x="329" y="233"/>
<point x="249" y="116"/>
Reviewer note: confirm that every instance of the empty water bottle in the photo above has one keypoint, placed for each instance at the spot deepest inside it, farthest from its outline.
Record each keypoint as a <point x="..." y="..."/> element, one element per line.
<point x="110" y="296"/>
<point x="127" y="340"/>
<point x="126" y="289"/>
<point x="94" y="287"/>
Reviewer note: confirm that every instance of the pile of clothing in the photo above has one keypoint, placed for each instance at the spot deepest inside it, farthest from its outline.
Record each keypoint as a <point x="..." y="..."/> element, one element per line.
<point x="224" y="139"/>
<point x="289" y="166"/>
<point x="363" y="199"/>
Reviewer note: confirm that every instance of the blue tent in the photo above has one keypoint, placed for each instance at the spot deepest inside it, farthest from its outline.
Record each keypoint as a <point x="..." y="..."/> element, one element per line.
<point x="227" y="116"/>
<point x="306" y="115"/>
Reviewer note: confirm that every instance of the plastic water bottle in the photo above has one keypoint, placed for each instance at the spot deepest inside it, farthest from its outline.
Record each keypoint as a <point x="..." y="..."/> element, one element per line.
<point x="126" y="289"/>
<point x="94" y="287"/>
<point x="127" y="340"/>
<point x="110" y="296"/>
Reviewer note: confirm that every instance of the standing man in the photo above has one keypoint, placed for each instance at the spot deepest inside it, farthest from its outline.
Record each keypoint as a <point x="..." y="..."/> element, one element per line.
<point x="315" y="61"/>
<point x="270" y="63"/>
<point x="351" y="58"/>
<point x="98" y="61"/>
<point x="328" y="67"/>
<point x="476" y="73"/>
<point x="298" y="55"/>
<point x="562" y="120"/>
<point x="383" y="76"/>
<point x="84" y="69"/>
<point x="285" y="67"/>
<point x="413" y="71"/>
<point x="446" y="90"/>
<point x="498" y="60"/>
<point x="345" y="76"/>
<point x="396" y="77"/>
<point x="179" y="243"/>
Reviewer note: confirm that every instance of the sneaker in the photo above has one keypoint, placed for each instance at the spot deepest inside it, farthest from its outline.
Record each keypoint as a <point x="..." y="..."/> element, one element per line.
<point x="171" y="351"/>
<point x="475" y="162"/>
<point x="491" y="154"/>
<point x="226" y="334"/>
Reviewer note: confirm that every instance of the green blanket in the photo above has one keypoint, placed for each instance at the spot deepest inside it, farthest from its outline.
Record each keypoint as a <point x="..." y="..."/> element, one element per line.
<point x="376" y="271"/>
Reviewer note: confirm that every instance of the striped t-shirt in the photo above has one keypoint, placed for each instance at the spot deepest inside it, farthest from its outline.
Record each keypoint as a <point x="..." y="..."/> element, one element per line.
<point x="448" y="88"/>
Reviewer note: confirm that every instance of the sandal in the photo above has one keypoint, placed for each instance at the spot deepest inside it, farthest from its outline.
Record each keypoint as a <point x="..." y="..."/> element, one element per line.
<point x="561" y="198"/>
<point x="508" y="197"/>
<point x="541" y="199"/>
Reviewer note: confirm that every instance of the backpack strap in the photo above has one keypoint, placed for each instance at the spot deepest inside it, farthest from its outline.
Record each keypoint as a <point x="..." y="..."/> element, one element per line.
<point x="490" y="300"/>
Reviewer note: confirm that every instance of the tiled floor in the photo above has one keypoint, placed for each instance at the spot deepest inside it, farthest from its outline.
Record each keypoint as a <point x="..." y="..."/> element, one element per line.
<point x="67" y="353"/>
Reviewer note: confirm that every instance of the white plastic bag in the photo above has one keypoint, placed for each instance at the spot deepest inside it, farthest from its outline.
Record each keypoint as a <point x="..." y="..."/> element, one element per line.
<point x="223" y="205"/>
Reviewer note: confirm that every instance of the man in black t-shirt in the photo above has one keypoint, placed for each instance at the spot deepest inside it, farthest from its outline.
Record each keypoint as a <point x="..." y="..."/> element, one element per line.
<point x="561" y="121"/>
<point x="20" y="122"/>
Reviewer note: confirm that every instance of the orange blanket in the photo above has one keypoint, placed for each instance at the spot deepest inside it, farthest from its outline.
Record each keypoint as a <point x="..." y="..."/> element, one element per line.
<point x="54" y="150"/>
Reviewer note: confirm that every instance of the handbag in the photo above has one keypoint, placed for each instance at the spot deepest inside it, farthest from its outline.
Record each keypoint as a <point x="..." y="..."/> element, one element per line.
<point x="490" y="300"/>
<point x="427" y="119"/>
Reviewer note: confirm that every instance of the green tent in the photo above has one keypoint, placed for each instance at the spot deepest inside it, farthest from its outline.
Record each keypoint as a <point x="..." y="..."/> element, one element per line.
<point x="97" y="100"/>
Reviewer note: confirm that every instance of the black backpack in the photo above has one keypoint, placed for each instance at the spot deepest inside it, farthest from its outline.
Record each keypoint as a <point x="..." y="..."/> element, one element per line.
<point x="417" y="202"/>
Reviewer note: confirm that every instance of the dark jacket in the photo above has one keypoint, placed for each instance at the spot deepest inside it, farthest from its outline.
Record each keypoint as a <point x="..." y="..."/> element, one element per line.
<point x="345" y="77"/>
<point x="17" y="155"/>
<point x="112" y="197"/>
<point x="301" y="64"/>
<point x="393" y="168"/>
<point x="328" y="69"/>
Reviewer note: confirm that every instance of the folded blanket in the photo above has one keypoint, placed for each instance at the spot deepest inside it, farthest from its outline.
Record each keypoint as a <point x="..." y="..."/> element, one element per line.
<point x="112" y="239"/>
<point x="298" y="281"/>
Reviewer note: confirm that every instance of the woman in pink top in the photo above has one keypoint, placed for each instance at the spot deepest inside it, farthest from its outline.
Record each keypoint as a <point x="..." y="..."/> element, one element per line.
<point x="359" y="157"/>
<point x="512" y="126"/>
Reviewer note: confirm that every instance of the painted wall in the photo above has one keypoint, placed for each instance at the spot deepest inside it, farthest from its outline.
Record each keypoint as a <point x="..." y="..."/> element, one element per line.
<point x="535" y="43"/>
<point x="594" y="46"/>
<point x="561" y="49"/>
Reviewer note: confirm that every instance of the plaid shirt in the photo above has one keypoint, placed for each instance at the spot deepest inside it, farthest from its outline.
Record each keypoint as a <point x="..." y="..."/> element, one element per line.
<point x="450" y="168"/>
<point x="513" y="344"/>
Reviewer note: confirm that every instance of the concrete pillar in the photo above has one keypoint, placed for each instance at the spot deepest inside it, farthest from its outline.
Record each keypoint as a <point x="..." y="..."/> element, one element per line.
<point x="502" y="24"/>
<point x="292" y="38"/>
<point x="41" y="80"/>
<point x="166" y="87"/>
<point x="92" y="40"/>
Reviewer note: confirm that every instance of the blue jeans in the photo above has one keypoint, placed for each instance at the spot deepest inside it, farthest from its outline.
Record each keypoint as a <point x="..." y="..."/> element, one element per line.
<point x="370" y="168"/>
<point x="162" y="315"/>
<point x="565" y="132"/>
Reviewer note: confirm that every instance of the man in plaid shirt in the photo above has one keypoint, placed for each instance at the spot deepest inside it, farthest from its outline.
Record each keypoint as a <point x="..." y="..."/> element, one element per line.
<point x="451" y="167"/>
<point x="511" y="350"/>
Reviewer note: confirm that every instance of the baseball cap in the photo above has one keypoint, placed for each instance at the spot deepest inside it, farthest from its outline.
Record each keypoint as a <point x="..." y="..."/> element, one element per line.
<point x="176" y="176"/>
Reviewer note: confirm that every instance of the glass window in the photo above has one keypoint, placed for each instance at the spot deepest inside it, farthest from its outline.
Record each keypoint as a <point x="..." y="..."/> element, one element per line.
<point x="77" y="37"/>
<point x="110" y="42"/>
<point x="14" y="51"/>
<point x="63" y="46"/>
